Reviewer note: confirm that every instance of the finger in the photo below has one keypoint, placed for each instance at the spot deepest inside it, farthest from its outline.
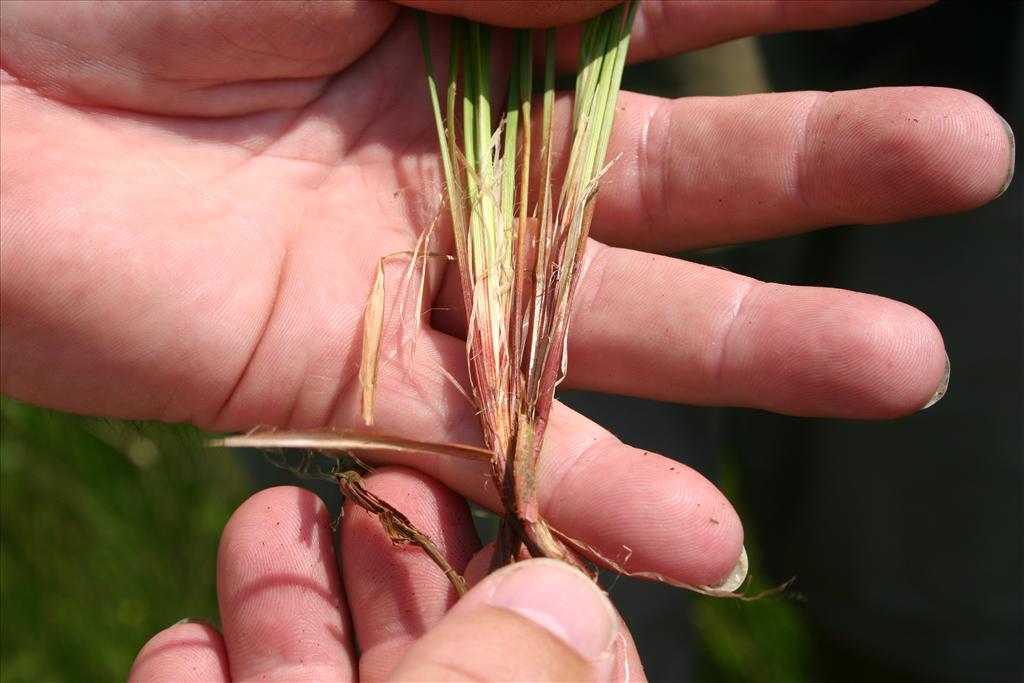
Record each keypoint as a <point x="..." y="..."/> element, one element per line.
<point x="397" y="593"/>
<point x="637" y="509"/>
<point x="187" y="58"/>
<point x="667" y="329"/>
<point x="280" y="596"/>
<point x="640" y="511"/>
<point x="533" y="621"/>
<point x="182" y="653"/>
<point x="699" y="172"/>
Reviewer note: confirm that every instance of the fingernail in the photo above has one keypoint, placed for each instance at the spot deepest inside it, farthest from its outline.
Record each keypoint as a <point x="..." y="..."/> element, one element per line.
<point x="562" y="600"/>
<point x="195" y="620"/>
<point x="1013" y="158"/>
<point x="941" y="391"/>
<point x="737" y="576"/>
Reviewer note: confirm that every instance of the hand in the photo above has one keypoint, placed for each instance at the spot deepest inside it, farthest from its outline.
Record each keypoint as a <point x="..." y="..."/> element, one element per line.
<point x="196" y="196"/>
<point x="287" y="616"/>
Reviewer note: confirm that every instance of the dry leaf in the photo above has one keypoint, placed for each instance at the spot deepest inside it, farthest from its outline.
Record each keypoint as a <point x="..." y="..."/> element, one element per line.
<point x="373" y="330"/>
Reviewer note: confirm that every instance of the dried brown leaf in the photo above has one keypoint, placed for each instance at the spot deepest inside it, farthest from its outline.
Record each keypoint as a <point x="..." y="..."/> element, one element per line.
<point x="373" y="330"/>
<point x="396" y="525"/>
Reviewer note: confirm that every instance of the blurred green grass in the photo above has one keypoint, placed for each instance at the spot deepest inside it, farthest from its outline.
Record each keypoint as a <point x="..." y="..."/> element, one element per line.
<point x="109" y="531"/>
<point x="109" y="534"/>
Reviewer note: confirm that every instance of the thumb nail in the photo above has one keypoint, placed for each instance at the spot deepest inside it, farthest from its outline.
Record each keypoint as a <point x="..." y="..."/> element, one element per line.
<point x="561" y="600"/>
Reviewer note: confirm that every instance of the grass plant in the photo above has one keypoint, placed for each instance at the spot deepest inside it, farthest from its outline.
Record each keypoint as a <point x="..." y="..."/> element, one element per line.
<point x="519" y="239"/>
<point x="519" y="255"/>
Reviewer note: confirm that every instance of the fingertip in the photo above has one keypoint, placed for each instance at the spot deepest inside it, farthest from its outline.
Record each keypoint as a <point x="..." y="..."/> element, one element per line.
<point x="889" y="154"/>
<point x="856" y="355"/>
<point x="279" y="590"/>
<point x="702" y="538"/>
<point x="892" y="361"/>
<point x="182" y="653"/>
<point x="297" y="508"/>
<point x="926" y="362"/>
<point x="647" y="514"/>
<point x="981" y="149"/>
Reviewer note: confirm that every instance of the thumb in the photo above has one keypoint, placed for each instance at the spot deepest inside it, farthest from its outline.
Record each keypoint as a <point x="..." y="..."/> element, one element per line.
<point x="538" y="620"/>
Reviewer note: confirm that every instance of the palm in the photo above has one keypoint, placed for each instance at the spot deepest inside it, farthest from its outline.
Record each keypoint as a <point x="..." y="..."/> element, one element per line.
<point x="259" y="234"/>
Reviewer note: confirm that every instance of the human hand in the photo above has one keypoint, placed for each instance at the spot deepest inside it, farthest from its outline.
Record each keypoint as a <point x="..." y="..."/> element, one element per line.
<point x="288" y="615"/>
<point x="196" y="196"/>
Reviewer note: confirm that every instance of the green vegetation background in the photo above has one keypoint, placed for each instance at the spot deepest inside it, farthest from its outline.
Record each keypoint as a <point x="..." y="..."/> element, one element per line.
<point x="108" y="534"/>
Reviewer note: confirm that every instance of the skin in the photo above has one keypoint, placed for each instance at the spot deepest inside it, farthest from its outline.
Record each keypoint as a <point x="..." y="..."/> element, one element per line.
<point x="195" y="199"/>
